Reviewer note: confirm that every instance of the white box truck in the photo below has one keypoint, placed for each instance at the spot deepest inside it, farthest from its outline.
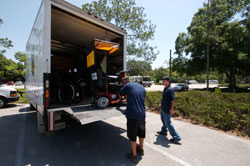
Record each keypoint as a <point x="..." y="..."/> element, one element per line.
<point x="58" y="53"/>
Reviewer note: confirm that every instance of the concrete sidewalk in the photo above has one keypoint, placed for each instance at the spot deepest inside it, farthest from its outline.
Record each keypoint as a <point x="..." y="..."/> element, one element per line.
<point x="200" y="146"/>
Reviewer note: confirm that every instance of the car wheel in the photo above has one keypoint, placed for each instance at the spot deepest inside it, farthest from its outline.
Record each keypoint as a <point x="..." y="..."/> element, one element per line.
<point x="102" y="102"/>
<point x="2" y="102"/>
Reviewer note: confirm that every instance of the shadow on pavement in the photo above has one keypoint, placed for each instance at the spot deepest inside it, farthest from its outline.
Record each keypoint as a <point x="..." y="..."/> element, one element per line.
<point x="25" y="109"/>
<point x="10" y="105"/>
<point x="162" y="140"/>
<point x="94" y="144"/>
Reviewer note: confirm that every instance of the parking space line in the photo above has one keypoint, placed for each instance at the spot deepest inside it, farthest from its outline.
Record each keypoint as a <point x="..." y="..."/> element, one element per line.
<point x="20" y="142"/>
<point x="157" y="149"/>
<point x="171" y="157"/>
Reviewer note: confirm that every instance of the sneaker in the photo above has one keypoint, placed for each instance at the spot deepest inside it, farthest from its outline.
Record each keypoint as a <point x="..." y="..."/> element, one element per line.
<point x="174" y="141"/>
<point x="161" y="133"/>
<point x="132" y="158"/>
<point x="140" y="151"/>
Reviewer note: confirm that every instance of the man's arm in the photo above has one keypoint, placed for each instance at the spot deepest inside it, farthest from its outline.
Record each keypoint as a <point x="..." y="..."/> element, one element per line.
<point x="122" y="92"/>
<point x="172" y="107"/>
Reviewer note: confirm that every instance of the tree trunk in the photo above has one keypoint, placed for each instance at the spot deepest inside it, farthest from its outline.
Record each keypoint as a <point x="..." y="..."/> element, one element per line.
<point x="232" y="77"/>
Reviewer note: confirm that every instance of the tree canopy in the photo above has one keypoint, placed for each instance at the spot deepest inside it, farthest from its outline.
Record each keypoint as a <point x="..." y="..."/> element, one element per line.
<point x="138" y="68"/>
<point x="10" y="70"/>
<point x="5" y="43"/>
<point x="127" y="15"/>
<point x="228" y="40"/>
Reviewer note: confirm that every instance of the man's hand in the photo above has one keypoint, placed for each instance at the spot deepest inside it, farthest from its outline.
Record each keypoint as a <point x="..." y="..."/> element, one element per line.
<point x="121" y="97"/>
<point x="172" y="107"/>
<point x="172" y="111"/>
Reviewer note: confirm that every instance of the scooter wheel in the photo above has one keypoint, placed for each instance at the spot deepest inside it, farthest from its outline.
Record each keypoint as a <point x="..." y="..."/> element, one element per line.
<point x="102" y="102"/>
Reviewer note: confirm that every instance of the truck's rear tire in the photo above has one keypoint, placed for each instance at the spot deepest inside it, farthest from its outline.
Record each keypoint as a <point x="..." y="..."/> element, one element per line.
<point x="103" y="102"/>
<point x="2" y="102"/>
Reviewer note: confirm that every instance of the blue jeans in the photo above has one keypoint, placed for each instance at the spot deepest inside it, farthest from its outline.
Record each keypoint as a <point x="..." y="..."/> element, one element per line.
<point x="168" y="126"/>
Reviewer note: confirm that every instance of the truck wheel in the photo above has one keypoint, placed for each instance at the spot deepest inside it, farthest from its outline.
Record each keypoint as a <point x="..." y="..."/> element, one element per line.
<point x="2" y="102"/>
<point x="103" y="102"/>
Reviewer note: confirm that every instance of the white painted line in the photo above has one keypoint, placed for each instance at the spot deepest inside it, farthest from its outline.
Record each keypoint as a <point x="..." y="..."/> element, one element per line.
<point x="20" y="143"/>
<point x="171" y="157"/>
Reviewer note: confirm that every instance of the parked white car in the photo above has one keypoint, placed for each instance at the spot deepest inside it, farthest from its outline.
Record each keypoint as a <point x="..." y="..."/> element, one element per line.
<point x="212" y="81"/>
<point x="193" y="82"/>
<point x="7" y="95"/>
<point x="19" y="83"/>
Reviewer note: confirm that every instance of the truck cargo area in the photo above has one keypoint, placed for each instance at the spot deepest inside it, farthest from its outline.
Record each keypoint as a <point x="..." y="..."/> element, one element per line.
<point x="70" y="40"/>
<point x="75" y="67"/>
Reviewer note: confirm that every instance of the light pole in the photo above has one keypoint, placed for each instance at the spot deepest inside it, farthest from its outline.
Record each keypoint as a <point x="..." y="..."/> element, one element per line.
<point x="208" y="45"/>
<point x="170" y="62"/>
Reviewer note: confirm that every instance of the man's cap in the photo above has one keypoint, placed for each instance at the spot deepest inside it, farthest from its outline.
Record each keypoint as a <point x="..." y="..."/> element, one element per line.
<point x="166" y="78"/>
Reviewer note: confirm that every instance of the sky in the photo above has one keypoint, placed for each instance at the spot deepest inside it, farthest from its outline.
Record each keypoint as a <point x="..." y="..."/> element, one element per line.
<point x="171" y="17"/>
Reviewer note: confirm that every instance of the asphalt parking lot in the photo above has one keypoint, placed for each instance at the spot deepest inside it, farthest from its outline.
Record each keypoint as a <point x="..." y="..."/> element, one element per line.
<point x="104" y="143"/>
<point x="99" y="143"/>
<point x="191" y="86"/>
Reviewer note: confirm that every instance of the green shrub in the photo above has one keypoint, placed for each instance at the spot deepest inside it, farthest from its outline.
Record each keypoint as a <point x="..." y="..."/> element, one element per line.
<point x="226" y="111"/>
<point x="217" y="91"/>
<point x="22" y="99"/>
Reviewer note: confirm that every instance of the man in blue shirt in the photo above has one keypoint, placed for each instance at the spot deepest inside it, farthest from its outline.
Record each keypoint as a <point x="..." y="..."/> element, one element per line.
<point x="135" y="115"/>
<point x="167" y="110"/>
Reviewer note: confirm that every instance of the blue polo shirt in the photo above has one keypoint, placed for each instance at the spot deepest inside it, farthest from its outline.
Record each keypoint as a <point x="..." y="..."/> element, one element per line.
<point x="167" y="97"/>
<point x="136" y="94"/>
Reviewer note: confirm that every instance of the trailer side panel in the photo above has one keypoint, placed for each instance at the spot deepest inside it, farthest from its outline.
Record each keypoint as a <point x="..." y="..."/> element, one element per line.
<point x="38" y="56"/>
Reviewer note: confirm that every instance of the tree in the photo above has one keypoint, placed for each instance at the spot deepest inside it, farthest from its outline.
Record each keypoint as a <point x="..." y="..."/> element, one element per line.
<point x="228" y="39"/>
<point x="126" y="15"/>
<point x="10" y="70"/>
<point x="246" y="22"/>
<point x="21" y="58"/>
<point x="5" y="43"/>
<point x="159" y="73"/>
<point x="138" y="68"/>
